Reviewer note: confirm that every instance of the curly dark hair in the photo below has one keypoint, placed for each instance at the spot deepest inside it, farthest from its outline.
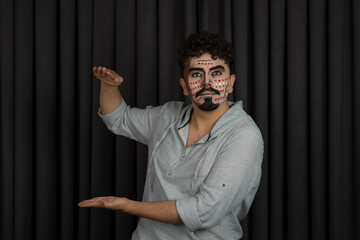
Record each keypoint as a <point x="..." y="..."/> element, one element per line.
<point x="205" y="42"/>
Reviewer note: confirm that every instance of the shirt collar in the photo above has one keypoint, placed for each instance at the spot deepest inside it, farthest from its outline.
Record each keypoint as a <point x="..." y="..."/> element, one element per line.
<point x="219" y="126"/>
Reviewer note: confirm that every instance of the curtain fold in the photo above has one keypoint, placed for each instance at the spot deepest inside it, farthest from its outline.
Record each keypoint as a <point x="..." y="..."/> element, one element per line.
<point x="318" y="118"/>
<point x="24" y="122"/>
<point x="297" y="72"/>
<point x="83" y="115"/>
<point x="297" y="184"/>
<point x="7" y="150"/>
<point x="277" y="122"/>
<point x="355" y="59"/>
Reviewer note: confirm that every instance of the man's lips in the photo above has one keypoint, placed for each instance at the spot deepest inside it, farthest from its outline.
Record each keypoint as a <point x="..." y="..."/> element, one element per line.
<point x="207" y="93"/>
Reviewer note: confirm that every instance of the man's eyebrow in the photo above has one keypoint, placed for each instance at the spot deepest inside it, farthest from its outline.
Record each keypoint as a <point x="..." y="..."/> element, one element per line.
<point x="216" y="67"/>
<point x="196" y="69"/>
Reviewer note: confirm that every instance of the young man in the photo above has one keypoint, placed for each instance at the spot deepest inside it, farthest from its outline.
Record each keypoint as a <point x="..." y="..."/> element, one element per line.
<point x="204" y="163"/>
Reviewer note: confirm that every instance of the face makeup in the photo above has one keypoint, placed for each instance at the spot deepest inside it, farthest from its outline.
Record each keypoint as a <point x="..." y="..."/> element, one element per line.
<point x="208" y="81"/>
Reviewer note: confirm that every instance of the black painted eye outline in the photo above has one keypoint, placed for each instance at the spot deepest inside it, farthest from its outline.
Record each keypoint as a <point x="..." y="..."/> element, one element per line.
<point x="196" y="75"/>
<point x="216" y="73"/>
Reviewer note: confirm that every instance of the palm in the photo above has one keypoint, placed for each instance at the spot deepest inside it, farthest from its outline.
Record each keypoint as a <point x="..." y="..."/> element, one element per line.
<point x="112" y="203"/>
<point x="107" y="76"/>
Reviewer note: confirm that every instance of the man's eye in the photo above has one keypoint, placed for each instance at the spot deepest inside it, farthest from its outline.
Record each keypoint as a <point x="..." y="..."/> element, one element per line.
<point x="197" y="74"/>
<point x="216" y="73"/>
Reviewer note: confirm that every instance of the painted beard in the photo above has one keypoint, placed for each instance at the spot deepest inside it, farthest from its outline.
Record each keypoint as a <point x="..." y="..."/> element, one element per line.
<point x="208" y="104"/>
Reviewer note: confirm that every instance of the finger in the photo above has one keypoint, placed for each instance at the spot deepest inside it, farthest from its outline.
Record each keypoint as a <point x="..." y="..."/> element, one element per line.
<point x="92" y="199"/>
<point x="95" y="199"/>
<point x="91" y="204"/>
<point x="116" y="77"/>
<point x="103" y="71"/>
<point x="111" y="73"/>
<point x="104" y="202"/>
<point x="97" y="70"/>
<point x="89" y="201"/>
<point x="100" y="199"/>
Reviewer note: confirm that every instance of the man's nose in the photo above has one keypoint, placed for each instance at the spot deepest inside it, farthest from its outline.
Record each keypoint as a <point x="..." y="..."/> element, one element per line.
<point x="207" y="81"/>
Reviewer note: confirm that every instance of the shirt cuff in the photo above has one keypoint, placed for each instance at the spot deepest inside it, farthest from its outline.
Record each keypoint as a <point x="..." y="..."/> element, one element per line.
<point x="186" y="208"/>
<point x="109" y="119"/>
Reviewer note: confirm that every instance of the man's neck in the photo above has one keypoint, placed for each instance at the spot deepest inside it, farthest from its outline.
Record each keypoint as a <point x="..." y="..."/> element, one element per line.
<point x="205" y="120"/>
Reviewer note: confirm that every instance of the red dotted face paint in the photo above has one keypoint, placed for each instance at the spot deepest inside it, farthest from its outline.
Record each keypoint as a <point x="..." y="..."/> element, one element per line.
<point x="205" y="63"/>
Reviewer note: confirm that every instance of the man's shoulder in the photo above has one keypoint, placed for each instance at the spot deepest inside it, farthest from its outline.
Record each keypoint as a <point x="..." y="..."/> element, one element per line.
<point x="175" y="105"/>
<point x="241" y="122"/>
<point x="173" y="110"/>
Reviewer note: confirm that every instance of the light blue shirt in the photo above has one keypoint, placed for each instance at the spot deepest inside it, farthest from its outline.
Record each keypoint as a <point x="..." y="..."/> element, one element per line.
<point x="214" y="181"/>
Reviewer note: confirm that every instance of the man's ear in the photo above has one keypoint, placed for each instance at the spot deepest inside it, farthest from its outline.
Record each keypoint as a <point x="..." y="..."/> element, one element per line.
<point x="183" y="85"/>
<point x="232" y="80"/>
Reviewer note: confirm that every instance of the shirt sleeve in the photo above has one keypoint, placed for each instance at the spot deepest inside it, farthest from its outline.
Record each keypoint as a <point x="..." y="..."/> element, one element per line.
<point x="231" y="184"/>
<point x="130" y="122"/>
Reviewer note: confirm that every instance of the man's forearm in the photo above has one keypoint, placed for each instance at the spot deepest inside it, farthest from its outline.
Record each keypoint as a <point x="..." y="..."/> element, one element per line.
<point x="164" y="211"/>
<point x="160" y="211"/>
<point x="110" y="98"/>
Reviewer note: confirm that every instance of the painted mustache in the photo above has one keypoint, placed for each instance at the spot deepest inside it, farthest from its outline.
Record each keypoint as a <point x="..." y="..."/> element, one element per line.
<point x="210" y="89"/>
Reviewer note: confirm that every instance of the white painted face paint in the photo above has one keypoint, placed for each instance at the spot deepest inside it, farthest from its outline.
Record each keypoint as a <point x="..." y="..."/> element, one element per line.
<point x="221" y="85"/>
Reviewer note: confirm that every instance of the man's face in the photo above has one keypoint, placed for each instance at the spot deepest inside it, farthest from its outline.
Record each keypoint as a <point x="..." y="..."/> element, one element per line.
<point x="207" y="81"/>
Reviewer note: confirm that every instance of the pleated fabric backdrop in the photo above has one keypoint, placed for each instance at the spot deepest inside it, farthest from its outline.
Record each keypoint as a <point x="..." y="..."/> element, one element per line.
<point x="298" y="73"/>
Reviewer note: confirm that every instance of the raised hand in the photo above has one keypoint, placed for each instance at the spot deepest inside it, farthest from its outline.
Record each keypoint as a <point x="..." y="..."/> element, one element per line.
<point x="107" y="76"/>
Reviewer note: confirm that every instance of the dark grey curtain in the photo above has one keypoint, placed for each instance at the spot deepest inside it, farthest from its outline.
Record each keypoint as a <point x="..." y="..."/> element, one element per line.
<point x="298" y="73"/>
